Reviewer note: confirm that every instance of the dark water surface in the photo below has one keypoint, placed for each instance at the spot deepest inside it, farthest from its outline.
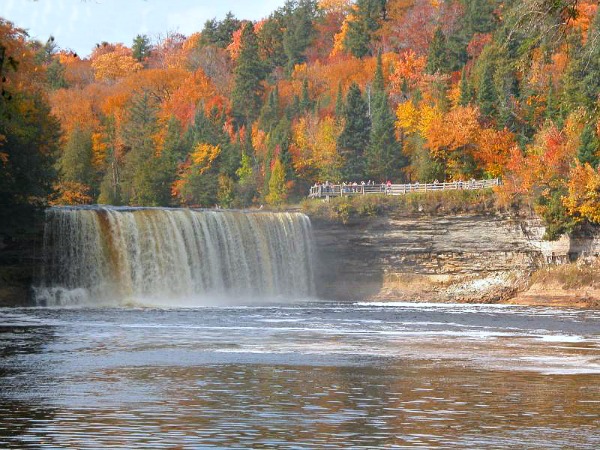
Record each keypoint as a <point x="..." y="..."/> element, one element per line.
<point x="313" y="375"/>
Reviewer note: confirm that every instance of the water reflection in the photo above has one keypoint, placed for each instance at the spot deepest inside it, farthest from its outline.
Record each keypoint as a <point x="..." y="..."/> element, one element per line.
<point x="297" y="377"/>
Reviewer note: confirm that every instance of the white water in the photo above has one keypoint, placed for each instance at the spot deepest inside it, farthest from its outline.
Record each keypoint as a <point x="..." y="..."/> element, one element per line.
<point x="108" y="255"/>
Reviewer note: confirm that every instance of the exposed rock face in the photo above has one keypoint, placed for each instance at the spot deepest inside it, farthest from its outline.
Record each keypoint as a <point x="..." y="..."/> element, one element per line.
<point x="450" y="258"/>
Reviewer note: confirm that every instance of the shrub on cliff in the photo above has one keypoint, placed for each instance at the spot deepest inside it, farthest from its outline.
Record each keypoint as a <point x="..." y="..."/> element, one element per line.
<point x="343" y="209"/>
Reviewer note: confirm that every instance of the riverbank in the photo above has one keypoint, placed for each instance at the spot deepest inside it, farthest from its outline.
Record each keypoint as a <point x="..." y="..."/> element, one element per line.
<point x="447" y="247"/>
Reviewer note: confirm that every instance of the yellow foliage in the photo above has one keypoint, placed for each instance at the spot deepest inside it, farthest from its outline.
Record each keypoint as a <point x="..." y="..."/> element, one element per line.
<point x="204" y="155"/>
<point x="114" y="65"/>
<point x="427" y="116"/>
<point x="407" y="117"/>
<point x="99" y="150"/>
<point x="314" y="148"/>
<point x="583" y="200"/>
<point x="338" y="6"/>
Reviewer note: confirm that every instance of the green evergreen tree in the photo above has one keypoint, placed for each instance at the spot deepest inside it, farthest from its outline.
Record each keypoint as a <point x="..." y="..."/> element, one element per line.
<point x="271" y="111"/>
<point x="299" y="30"/>
<point x="164" y="167"/>
<point x="270" y="41"/>
<point x="367" y="16"/>
<point x="306" y="104"/>
<point x="354" y="139"/>
<point x="339" y="102"/>
<point x="552" y="108"/>
<point x="277" y="187"/>
<point x="141" y="47"/>
<point x="486" y="95"/>
<point x="138" y="134"/>
<point x="28" y="151"/>
<point x="383" y="157"/>
<point x="466" y="93"/>
<point x="589" y="147"/>
<point x="247" y="93"/>
<point x="437" y="59"/>
<point x="55" y="75"/>
<point x="582" y="80"/>
<point x="75" y="162"/>
<point x="220" y="33"/>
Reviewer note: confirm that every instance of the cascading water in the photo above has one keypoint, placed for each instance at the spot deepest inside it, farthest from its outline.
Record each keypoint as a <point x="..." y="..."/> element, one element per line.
<point x="111" y="255"/>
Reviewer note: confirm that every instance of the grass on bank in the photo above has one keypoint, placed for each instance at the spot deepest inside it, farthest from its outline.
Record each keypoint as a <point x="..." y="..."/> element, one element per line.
<point x="569" y="276"/>
<point x="343" y="209"/>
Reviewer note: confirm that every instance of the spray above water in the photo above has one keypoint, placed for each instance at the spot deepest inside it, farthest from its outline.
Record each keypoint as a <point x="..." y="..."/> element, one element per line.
<point x="111" y="255"/>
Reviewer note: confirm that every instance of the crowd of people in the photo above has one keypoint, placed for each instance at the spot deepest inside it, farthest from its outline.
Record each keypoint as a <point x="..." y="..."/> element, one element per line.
<point x="352" y="186"/>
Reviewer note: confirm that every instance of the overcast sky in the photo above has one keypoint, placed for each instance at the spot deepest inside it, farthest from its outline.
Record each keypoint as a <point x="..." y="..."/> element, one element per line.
<point x="80" y="24"/>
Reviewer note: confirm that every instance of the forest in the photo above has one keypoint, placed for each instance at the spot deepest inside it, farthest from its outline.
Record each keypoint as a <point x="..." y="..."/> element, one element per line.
<point x="245" y="113"/>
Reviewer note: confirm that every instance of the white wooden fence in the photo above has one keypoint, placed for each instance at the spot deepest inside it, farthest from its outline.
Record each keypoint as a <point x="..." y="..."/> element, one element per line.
<point x="341" y="190"/>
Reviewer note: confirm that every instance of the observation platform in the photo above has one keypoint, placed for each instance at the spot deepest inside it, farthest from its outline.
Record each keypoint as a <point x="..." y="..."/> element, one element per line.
<point x="341" y="190"/>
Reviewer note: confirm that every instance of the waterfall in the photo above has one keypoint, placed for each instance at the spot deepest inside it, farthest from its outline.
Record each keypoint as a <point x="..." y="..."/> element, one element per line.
<point x="112" y="255"/>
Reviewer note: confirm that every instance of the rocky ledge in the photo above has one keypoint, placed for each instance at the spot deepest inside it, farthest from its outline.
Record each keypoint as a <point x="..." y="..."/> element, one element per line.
<point x="459" y="258"/>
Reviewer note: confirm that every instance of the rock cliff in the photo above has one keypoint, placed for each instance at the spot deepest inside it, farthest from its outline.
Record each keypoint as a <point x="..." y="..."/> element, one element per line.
<point x="469" y="257"/>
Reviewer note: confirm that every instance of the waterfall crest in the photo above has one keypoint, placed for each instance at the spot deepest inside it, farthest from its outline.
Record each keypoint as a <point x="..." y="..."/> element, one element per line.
<point x="111" y="255"/>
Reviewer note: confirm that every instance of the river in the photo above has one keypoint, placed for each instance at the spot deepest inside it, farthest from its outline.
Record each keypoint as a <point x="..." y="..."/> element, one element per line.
<point x="304" y="375"/>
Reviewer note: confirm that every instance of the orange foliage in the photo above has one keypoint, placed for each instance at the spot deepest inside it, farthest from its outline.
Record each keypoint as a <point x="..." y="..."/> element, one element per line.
<point x="76" y="107"/>
<point x="586" y="10"/>
<point x="409" y="67"/>
<point x="457" y="129"/>
<point x="71" y="193"/>
<point x="493" y="150"/>
<point x="193" y="90"/>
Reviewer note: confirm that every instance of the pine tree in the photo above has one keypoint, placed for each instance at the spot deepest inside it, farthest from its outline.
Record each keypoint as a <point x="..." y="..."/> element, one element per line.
<point x="437" y="59"/>
<point x="339" y="102"/>
<point x="55" y="75"/>
<point x="582" y="81"/>
<point x="466" y="93"/>
<point x="367" y="15"/>
<point x="138" y="134"/>
<point x="277" y="187"/>
<point x="589" y="147"/>
<point x="354" y="139"/>
<point x="75" y="163"/>
<point x="383" y="153"/>
<point x="299" y="31"/>
<point x="141" y="47"/>
<point x="270" y="113"/>
<point x="249" y="72"/>
<point x="306" y="104"/>
<point x="486" y="95"/>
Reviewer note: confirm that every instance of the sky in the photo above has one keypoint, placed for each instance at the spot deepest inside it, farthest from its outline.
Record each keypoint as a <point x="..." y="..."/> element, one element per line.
<point x="79" y="25"/>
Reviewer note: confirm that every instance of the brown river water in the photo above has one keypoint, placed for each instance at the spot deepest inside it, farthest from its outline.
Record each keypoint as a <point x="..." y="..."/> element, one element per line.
<point x="300" y="375"/>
